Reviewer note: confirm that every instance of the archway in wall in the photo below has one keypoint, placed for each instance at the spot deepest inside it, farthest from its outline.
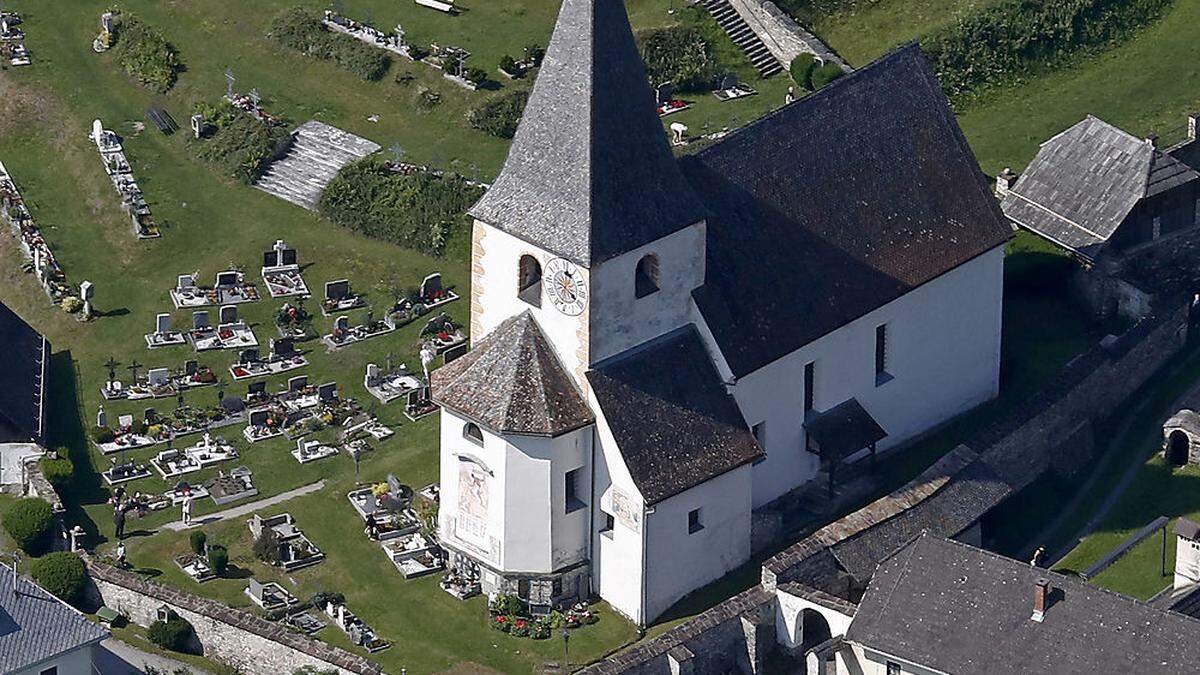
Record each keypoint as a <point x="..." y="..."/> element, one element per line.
<point x="814" y="629"/>
<point x="1178" y="444"/>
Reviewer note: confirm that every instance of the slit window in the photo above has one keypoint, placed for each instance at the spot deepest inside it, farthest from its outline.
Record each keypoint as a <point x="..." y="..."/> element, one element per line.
<point x="810" y="381"/>
<point x="695" y="522"/>
<point x="645" y="278"/>
<point x="881" y="355"/>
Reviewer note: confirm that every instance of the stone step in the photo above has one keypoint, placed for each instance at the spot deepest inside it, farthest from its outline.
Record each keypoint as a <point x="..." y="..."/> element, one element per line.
<point x="743" y="36"/>
<point x="318" y="152"/>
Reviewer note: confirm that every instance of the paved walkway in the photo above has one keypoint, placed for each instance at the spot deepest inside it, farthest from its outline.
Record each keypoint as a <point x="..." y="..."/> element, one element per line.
<point x="119" y="658"/>
<point x="246" y="508"/>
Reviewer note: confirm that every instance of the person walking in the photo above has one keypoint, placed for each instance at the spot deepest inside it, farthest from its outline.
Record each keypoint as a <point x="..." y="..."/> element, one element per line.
<point x="119" y="521"/>
<point x="187" y="509"/>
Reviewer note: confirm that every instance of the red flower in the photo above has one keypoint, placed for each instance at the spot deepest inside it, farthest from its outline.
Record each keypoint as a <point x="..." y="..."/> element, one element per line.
<point x="501" y="619"/>
<point x="520" y="623"/>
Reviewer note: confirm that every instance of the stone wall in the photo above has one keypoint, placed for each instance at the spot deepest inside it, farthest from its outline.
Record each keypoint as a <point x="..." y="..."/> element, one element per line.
<point x="783" y="37"/>
<point x="247" y="642"/>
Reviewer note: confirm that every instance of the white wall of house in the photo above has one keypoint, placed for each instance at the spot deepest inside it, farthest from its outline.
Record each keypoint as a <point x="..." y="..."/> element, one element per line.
<point x="68" y="663"/>
<point x="859" y="660"/>
<point x="943" y="353"/>
<point x="621" y="320"/>
<point x="1187" y="562"/>
<point x="789" y="623"/>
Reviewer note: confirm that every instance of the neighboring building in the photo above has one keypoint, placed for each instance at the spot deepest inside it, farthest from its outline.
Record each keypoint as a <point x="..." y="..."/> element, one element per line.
<point x="1105" y="196"/>
<point x="663" y="345"/>
<point x="42" y="635"/>
<point x="939" y="606"/>
<point x="23" y="380"/>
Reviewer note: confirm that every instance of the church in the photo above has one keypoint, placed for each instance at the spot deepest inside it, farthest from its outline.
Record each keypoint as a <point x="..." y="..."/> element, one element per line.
<point x="661" y="345"/>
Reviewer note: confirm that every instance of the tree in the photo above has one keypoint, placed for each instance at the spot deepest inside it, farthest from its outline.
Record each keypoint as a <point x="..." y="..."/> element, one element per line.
<point x="59" y="471"/>
<point x="197" y="541"/>
<point x="801" y="69"/>
<point x="174" y="634"/>
<point x="61" y="573"/>
<point x="825" y="73"/>
<point x="218" y="558"/>
<point x="30" y="522"/>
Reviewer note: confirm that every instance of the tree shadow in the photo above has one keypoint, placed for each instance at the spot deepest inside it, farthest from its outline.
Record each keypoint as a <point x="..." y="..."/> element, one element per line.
<point x="65" y="429"/>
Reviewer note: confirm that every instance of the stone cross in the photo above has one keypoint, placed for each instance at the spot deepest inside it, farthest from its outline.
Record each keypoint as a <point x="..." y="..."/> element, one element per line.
<point x="255" y="97"/>
<point x="197" y="125"/>
<point x="87" y="291"/>
<point x="279" y="248"/>
<point x="229" y="80"/>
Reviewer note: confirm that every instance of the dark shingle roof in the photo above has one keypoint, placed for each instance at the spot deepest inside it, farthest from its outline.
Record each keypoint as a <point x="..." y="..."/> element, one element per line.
<point x="1084" y="182"/>
<point x="35" y="626"/>
<point x="590" y="175"/>
<point x="835" y="205"/>
<point x="959" y="609"/>
<point x="674" y="422"/>
<point x="971" y="493"/>
<point x="512" y="382"/>
<point x="1187" y="528"/>
<point x="22" y="380"/>
<point x="843" y="430"/>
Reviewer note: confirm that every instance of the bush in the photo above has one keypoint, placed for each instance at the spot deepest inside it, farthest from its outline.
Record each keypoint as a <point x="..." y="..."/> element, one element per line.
<point x="59" y="471"/>
<point x="321" y="599"/>
<point x="218" y="558"/>
<point x="103" y="435"/>
<point x="266" y="547"/>
<point x="520" y="628"/>
<point x="174" y="634"/>
<point x="1008" y="39"/>
<point x="824" y="74"/>
<point x="197" y="540"/>
<point x="144" y="53"/>
<point x="243" y="144"/>
<point x="301" y="29"/>
<point x="61" y="573"/>
<point x="801" y="69"/>
<point x="498" y="116"/>
<point x="417" y="210"/>
<point x="30" y="522"/>
<point x="476" y="76"/>
<point x="506" y="604"/>
<point x="508" y="64"/>
<point x="677" y="54"/>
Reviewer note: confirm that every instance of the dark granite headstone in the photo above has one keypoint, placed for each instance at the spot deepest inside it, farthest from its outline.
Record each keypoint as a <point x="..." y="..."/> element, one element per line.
<point x="337" y="290"/>
<point x="248" y="356"/>
<point x="431" y="285"/>
<point x="297" y="383"/>
<point x="327" y="392"/>
<point x="227" y="279"/>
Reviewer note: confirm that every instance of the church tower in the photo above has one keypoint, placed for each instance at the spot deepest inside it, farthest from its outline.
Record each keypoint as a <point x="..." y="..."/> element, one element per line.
<point x="590" y="225"/>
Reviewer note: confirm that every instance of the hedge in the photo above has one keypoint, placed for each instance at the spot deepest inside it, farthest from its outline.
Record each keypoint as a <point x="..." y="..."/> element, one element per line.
<point x="801" y="69"/>
<point x="679" y="55"/>
<point x="59" y="471"/>
<point x="1014" y="36"/>
<point x="144" y="53"/>
<point x="417" y="210"/>
<point x="30" y="522"/>
<point x="197" y="540"/>
<point x="239" y="142"/>
<point x="174" y="634"/>
<point x="824" y="74"/>
<point x="302" y="29"/>
<point x="498" y="116"/>
<point x="61" y="573"/>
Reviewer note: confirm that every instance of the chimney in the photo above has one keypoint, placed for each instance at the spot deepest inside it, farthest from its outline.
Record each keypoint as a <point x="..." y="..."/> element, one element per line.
<point x="1041" y="597"/>
<point x="1004" y="181"/>
<point x="1193" y="118"/>
<point x="1152" y="139"/>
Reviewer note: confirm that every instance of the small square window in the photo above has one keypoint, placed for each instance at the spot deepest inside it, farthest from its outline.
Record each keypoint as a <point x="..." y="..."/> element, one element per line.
<point x="571" y="490"/>
<point x="695" y="524"/>
<point x="52" y="670"/>
<point x="609" y="522"/>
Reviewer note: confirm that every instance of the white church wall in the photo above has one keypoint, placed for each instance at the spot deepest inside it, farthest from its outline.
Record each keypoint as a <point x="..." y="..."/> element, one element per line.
<point x="494" y="297"/>
<point x="569" y="528"/>
<point x="678" y="560"/>
<point x="472" y="508"/>
<point x="621" y="319"/>
<point x="943" y="353"/>
<point x="789" y="623"/>
<point x="616" y="563"/>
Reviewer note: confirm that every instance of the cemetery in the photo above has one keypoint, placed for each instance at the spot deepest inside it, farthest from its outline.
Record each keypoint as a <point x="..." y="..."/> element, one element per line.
<point x="157" y="383"/>
<point x="283" y="358"/>
<point x="311" y="451"/>
<point x="40" y="260"/>
<point x="226" y="488"/>
<point x="358" y="631"/>
<point x="414" y="555"/>
<point x="270" y="596"/>
<point x="133" y="202"/>
<point x="385" y="509"/>
<point x="196" y="566"/>
<point x="388" y="387"/>
<point x="230" y="288"/>
<point x="344" y="335"/>
<point x="12" y="40"/>
<point x="442" y="334"/>
<point x="282" y="543"/>
<point x="164" y="334"/>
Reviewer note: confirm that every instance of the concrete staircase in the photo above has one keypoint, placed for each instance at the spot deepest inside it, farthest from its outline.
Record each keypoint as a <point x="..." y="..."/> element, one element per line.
<point x="317" y="154"/>
<point x="743" y="36"/>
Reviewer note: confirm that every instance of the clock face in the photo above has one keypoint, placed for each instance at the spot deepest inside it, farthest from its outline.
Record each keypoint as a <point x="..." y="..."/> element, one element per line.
<point x="567" y="290"/>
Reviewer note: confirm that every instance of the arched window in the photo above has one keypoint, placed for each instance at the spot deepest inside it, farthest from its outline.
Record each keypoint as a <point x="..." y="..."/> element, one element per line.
<point x="473" y="433"/>
<point x="529" y="280"/>
<point x="645" y="277"/>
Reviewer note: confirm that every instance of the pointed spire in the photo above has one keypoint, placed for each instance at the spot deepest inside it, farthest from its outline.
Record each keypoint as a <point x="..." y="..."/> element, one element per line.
<point x="590" y="174"/>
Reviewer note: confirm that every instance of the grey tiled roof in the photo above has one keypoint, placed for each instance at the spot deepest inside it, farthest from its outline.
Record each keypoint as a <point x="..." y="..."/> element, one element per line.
<point x="513" y="382"/>
<point x="958" y="609"/>
<point x="35" y="626"/>
<point x="1084" y="182"/>
<point x="835" y="205"/>
<point x="674" y="422"/>
<point x="590" y="175"/>
<point x="27" y="359"/>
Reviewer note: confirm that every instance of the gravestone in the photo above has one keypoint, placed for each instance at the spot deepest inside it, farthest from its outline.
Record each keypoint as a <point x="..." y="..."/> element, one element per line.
<point x="455" y="352"/>
<point x="125" y="421"/>
<point x="337" y="290"/>
<point x="730" y="81"/>
<point x="297" y="383"/>
<point x="200" y="319"/>
<point x="342" y="323"/>
<point x="327" y="392"/>
<point x="663" y="93"/>
<point x="106" y="22"/>
<point x="255" y="97"/>
<point x="257" y="388"/>
<point x="87" y="291"/>
<point x="157" y="377"/>
<point x="190" y="367"/>
<point x="197" y="125"/>
<point x="185" y="282"/>
<point x="227" y="279"/>
<point x="259" y="418"/>
<point x="247" y="356"/>
<point x="283" y="347"/>
<point x="162" y="323"/>
<point x="288" y="256"/>
<point x="101" y="418"/>
<point x="229" y="80"/>
<point x="229" y="314"/>
<point x="270" y="259"/>
<point x="372" y="374"/>
<point x="431" y="285"/>
<point x="150" y="415"/>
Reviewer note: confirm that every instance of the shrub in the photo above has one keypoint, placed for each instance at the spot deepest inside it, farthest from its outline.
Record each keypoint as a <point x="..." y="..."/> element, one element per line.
<point x="417" y="210"/>
<point x="427" y="99"/>
<point x="103" y="435"/>
<point x="1009" y="38"/>
<point x="301" y="29"/>
<point x="520" y="628"/>
<point x="498" y="116"/>
<point x="197" y="540"/>
<point x="508" y="64"/>
<point x="321" y="599"/>
<point x="824" y="74"/>
<point x="175" y="634"/>
<point x="476" y="76"/>
<point x="506" y="604"/>
<point x="144" y="53"/>
<point x="59" y="471"/>
<point x="266" y="547"/>
<point x="61" y="573"/>
<point x="218" y="558"/>
<point x="30" y="522"/>
<point x="71" y="304"/>
<point x="801" y="69"/>
<point x="502" y="622"/>
<point x="677" y="54"/>
<point x="540" y="630"/>
<point x="241" y="143"/>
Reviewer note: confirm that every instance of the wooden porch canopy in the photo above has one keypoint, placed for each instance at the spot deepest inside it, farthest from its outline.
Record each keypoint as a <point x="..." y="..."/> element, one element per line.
<point x="842" y="431"/>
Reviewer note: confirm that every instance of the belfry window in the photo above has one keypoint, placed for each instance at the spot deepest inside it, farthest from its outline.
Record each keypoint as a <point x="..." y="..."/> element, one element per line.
<point x="645" y="277"/>
<point x="473" y="433"/>
<point x="529" y="281"/>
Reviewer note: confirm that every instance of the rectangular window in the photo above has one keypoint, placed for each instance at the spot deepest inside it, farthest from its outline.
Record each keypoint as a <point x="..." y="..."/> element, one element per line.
<point x="881" y="353"/>
<point x="571" y="490"/>
<point x="607" y="528"/>
<point x="810" y="379"/>
<point x="893" y="668"/>
<point x="760" y="434"/>
<point x="52" y="670"/>
<point x="1157" y="232"/>
<point x="694" y="522"/>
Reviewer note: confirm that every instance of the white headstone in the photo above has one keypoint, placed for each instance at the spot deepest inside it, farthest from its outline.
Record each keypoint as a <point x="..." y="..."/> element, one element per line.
<point x="97" y="130"/>
<point x="372" y="372"/>
<point x="101" y="418"/>
<point x="106" y="22"/>
<point x="87" y="290"/>
<point x="125" y="421"/>
<point x="158" y="376"/>
<point x="197" y="125"/>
